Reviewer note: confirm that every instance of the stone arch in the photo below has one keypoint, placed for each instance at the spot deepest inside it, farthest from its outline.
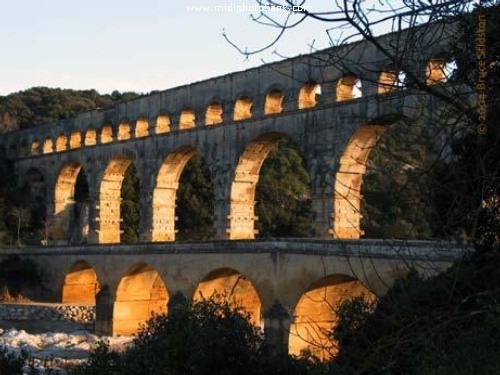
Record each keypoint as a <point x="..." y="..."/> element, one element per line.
<point x="48" y="146"/>
<point x="124" y="131"/>
<point x="187" y="119"/>
<point x="34" y="197"/>
<point x="348" y="87"/>
<point x="162" y="124"/>
<point x="387" y="81"/>
<point x="61" y="143"/>
<point x="141" y="127"/>
<point x="69" y="217"/>
<point x="75" y="140"/>
<point x="435" y="70"/>
<point x="213" y="115"/>
<point x="349" y="180"/>
<point x="35" y="147"/>
<point x="140" y="293"/>
<point x="231" y="286"/>
<point x="106" y="134"/>
<point x="242" y="217"/>
<point x="110" y="198"/>
<point x="274" y="102"/>
<point x="242" y="108"/>
<point x="308" y="95"/>
<point x="315" y="314"/>
<point x="90" y="137"/>
<point x="80" y="284"/>
<point x="164" y="194"/>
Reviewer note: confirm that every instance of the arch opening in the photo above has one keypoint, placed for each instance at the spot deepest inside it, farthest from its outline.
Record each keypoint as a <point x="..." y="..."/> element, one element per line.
<point x="187" y="119"/>
<point x="349" y="179"/>
<point x="229" y="285"/>
<point x="75" y="140"/>
<point x="140" y="294"/>
<point x="274" y="102"/>
<point x="165" y="192"/>
<point x="242" y="217"/>
<point x="106" y="134"/>
<point x="243" y="108"/>
<point x="61" y="143"/>
<point x="213" y="115"/>
<point x="110" y="200"/>
<point x="349" y="87"/>
<point x="315" y="314"/>
<point x="162" y="124"/>
<point x="129" y="206"/>
<point x="80" y="284"/>
<point x="141" y="128"/>
<point x="48" y="146"/>
<point x="308" y="95"/>
<point x="90" y="137"/>
<point x="387" y="82"/>
<point x="123" y="131"/>
<point x="33" y="196"/>
<point x="35" y="147"/>
<point x="71" y="208"/>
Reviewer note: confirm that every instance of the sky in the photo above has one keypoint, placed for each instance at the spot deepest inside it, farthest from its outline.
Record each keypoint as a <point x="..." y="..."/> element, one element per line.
<point x="135" y="45"/>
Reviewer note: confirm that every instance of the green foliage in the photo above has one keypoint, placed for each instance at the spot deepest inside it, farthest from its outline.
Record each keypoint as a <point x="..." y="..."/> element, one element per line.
<point x="130" y="206"/>
<point x="195" y="201"/>
<point x="11" y="363"/>
<point x="41" y="105"/>
<point x="397" y="188"/>
<point x="427" y="326"/>
<point x="201" y="338"/>
<point x="283" y="199"/>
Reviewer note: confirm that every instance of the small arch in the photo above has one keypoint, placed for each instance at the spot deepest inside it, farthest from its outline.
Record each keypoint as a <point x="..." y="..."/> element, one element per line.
<point x="61" y="143"/>
<point x="90" y="137"/>
<point x="106" y="134"/>
<point x="242" y="108"/>
<point x="164" y="194"/>
<point x="187" y="119"/>
<point x="35" y="147"/>
<point x="349" y="179"/>
<point x="75" y="140"/>
<point x="140" y="294"/>
<point x="242" y="217"/>
<point x="315" y="314"/>
<point x="48" y="146"/>
<point x="141" y="127"/>
<point x="387" y="82"/>
<point x="348" y="87"/>
<point x="23" y="148"/>
<point x="231" y="286"/>
<point x="123" y="131"/>
<point x="274" y="102"/>
<point x="439" y="70"/>
<point x="162" y="124"/>
<point x="213" y="115"/>
<point x="80" y="284"/>
<point x="308" y="95"/>
<point x="110" y="199"/>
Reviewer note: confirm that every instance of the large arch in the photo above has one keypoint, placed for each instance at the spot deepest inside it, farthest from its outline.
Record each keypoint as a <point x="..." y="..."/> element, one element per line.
<point x="80" y="284"/>
<point x="349" y="180"/>
<point x="242" y="217"/>
<point x="67" y="212"/>
<point x="315" y="314"/>
<point x="110" y="198"/>
<point x="141" y="293"/>
<point x="164" y="194"/>
<point x="34" y="197"/>
<point x="229" y="285"/>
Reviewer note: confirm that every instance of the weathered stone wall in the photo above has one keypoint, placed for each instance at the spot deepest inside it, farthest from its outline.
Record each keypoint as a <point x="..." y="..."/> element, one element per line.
<point x="82" y="314"/>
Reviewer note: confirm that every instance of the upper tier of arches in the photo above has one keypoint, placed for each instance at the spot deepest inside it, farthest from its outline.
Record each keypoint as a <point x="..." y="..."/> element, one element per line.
<point x="276" y="100"/>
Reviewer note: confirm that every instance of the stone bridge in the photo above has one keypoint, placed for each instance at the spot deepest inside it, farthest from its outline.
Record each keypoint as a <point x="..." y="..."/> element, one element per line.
<point x="290" y="287"/>
<point x="333" y="104"/>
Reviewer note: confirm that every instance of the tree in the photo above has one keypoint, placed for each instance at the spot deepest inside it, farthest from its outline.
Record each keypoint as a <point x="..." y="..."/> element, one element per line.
<point x="23" y="217"/>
